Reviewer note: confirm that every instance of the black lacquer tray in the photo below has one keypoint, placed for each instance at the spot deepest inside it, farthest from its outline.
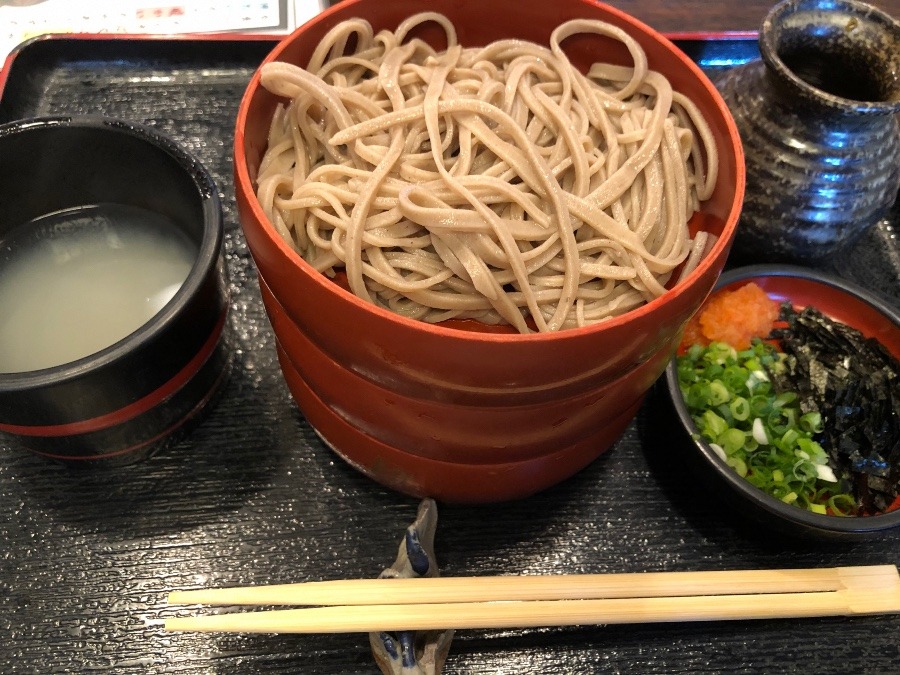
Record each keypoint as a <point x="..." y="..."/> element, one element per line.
<point x="252" y="496"/>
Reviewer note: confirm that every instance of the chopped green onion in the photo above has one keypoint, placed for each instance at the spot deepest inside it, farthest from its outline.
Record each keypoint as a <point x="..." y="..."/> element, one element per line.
<point x="759" y="432"/>
<point x="842" y="504"/>
<point x="762" y="434"/>
<point x="759" y="405"/>
<point x="716" y="448"/>
<point x="804" y="470"/>
<point x="740" y="408"/>
<point x="784" y="399"/>
<point x="712" y="426"/>
<point x="738" y="465"/>
<point x="811" y="422"/>
<point x="718" y="392"/>
<point x="826" y="473"/>
<point x="790" y="438"/>
<point x="731" y="440"/>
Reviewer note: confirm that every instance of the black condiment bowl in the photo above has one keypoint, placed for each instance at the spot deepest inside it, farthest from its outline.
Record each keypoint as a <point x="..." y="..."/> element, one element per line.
<point x="841" y="300"/>
<point x="135" y="396"/>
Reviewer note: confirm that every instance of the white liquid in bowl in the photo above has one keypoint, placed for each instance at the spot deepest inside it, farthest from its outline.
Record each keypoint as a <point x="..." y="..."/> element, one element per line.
<point x="75" y="282"/>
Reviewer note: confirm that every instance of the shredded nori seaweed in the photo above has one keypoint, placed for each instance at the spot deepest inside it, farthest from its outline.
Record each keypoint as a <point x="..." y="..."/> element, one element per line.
<point x="854" y="382"/>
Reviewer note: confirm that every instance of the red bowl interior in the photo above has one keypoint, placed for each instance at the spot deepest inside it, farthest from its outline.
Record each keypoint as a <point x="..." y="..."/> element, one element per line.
<point x="453" y="375"/>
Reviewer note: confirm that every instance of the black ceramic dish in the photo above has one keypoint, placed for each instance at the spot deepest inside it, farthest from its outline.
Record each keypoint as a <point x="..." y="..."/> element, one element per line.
<point x="841" y="300"/>
<point x="129" y="399"/>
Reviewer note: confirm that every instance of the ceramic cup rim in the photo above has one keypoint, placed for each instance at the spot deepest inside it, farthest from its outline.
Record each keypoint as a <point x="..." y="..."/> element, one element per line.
<point x="768" y="48"/>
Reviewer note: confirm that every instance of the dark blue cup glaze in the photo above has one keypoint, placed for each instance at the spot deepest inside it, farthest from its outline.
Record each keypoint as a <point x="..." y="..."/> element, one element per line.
<point x="138" y="395"/>
<point x="818" y="120"/>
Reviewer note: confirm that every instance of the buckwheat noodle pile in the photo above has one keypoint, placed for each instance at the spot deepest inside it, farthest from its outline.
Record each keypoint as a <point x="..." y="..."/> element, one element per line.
<point x="495" y="183"/>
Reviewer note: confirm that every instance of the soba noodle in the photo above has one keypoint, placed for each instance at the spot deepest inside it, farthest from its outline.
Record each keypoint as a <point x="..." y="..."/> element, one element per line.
<point x="495" y="183"/>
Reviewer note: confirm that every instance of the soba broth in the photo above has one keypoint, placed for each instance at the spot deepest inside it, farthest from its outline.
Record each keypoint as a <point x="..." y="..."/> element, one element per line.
<point x="75" y="282"/>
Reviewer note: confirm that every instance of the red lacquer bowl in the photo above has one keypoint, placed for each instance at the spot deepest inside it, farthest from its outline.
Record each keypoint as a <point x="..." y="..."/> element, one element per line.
<point x="459" y="415"/>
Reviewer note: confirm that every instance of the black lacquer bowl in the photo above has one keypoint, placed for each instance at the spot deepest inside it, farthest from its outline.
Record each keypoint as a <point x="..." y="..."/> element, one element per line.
<point x="841" y="300"/>
<point x="133" y="397"/>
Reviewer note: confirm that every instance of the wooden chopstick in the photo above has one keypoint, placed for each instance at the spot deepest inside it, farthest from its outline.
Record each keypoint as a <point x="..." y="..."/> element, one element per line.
<point x="615" y="598"/>
<point x="534" y="613"/>
<point x="554" y="587"/>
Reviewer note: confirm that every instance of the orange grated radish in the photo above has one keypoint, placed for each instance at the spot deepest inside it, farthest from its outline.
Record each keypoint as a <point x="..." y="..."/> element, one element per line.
<point x="734" y="317"/>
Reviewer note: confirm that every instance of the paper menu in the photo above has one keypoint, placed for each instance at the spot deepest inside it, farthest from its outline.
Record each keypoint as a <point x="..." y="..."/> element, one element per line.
<point x="24" y="19"/>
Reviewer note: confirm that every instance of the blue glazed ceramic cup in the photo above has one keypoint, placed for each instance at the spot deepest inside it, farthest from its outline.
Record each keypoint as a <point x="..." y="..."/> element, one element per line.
<point x="818" y="120"/>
